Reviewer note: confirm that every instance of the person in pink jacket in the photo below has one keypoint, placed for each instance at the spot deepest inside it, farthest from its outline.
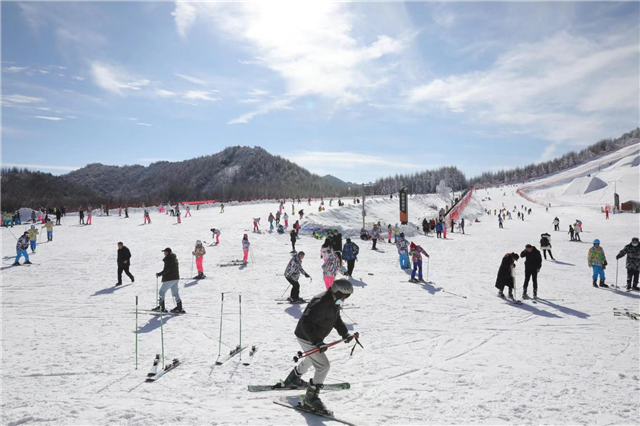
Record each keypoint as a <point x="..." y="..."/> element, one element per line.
<point x="245" y="247"/>
<point x="330" y="269"/>
<point x="199" y="253"/>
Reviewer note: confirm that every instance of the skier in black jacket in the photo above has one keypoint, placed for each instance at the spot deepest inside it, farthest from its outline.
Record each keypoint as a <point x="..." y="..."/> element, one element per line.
<point x="170" y="279"/>
<point x="318" y="319"/>
<point x="532" y="266"/>
<point x="124" y="261"/>
<point x="336" y="243"/>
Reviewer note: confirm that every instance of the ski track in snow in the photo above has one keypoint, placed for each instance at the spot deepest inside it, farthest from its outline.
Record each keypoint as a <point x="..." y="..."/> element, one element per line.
<point x="429" y="357"/>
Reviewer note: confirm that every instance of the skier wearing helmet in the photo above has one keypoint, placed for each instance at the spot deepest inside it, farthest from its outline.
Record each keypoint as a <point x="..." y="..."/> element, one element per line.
<point x="598" y="262"/>
<point x="199" y="253"/>
<point x="318" y="319"/>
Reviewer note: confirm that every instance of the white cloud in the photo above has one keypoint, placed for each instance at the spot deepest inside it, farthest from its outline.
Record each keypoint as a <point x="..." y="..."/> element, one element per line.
<point x="165" y="93"/>
<point x="75" y="77"/>
<point x="192" y="79"/>
<point x="185" y="15"/>
<point x="352" y="160"/>
<point x="310" y="45"/>
<point x="21" y="99"/>
<point x="40" y="166"/>
<point x="43" y="71"/>
<point x="250" y="101"/>
<point x="58" y="67"/>
<point x="44" y="108"/>
<point x="144" y="124"/>
<point x="562" y="88"/>
<point x="258" y="92"/>
<point x="132" y="119"/>
<point x="49" y="118"/>
<point x="115" y="80"/>
<point x="263" y="109"/>
<point x="201" y="95"/>
<point x="14" y="69"/>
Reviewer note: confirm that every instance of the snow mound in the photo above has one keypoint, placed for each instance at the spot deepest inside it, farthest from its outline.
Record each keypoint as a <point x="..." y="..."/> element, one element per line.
<point x="584" y="185"/>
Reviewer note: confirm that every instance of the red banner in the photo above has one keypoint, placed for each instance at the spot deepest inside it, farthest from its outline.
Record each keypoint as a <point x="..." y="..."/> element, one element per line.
<point x="457" y="210"/>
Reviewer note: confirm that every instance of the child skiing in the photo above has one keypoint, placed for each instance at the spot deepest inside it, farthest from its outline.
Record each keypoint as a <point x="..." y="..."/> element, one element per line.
<point x="330" y="269"/>
<point x="33" y="238"/>
<point x="598" y="262"/>
<point x="146" y="217"/>
<point x="256" y="222"/>
<point x="21" y="249"/>
<point x="292" y="274"/>
<point x="416" y="255"/>
<point x="216" y="234"/>
<point x="49" y="226"/>
<point x="286" y="220"/>
<point x="199" y="253"/>
<point x="403" y="246"/>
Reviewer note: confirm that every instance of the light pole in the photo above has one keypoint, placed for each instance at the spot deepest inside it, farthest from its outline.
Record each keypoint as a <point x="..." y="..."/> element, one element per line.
<point x="615" y="192"/>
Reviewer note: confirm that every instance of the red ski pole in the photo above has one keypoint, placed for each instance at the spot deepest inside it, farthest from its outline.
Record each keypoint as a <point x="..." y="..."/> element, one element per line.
<point x="314" y="351"/>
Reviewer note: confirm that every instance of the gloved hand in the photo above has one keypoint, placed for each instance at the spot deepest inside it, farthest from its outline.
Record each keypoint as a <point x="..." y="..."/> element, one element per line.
<point x="308" y="276"/>
<point x="322" y="346"/>
<point x="349" y="337"/>
<point x="605" y="263"/>
<point x="157" y="275"/>
<point x="604" y="267"/>
<point x="618" y="257"/>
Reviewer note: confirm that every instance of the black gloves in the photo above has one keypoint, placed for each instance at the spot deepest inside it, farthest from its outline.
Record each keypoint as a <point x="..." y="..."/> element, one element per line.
<point x="322" y="346"/>
<point x="349" y="337"/>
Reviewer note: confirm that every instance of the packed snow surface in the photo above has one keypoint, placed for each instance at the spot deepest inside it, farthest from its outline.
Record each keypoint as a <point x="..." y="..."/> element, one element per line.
<point x="444" y="353"/>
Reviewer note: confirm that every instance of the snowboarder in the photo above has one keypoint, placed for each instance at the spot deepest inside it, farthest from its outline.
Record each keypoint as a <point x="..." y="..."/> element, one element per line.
<point x="215" y="233"/>
<point x="286" y="220"/>
<point x="403" y="249"/>
<point x="350" y="254"/>
<point x="318" y="319"/>
<point x="506" y="274"/>
<point x="146" y="217"/>
<point x="199" y="253"/>
<point x="170" y="279"/>
<point x="21" y="249"/>
<point x="292" y="274"/>
<point x="49" y="226"/>
<point x="124" y="261"/>
<point x="294" y="238"/>
<point x="375" y="236"/>
<point x="532" y="266"/>
<point x="598" y="261"/>
<point x="556" y="224"/>
<point x="416" y="254"/>
<point x="330" y="268"/>
<point x="33" y="238"/>
<point x="245" y="248"/>
<point x="632" y="251"/>
<point x="545" y="245"/>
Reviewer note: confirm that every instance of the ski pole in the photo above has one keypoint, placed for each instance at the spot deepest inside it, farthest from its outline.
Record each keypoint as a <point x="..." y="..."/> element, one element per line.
<point x="617" y="262"/>
<point x="136" y="332"/>
<point x="428" y="258"/>
<point x="240" y="313"/>
<point x="314" y="351"/>
<point x="285" y="290"/>
<point x="253" y="259"/>
<point x="162" y="336"/>
<point x="157" y="293"/>
<point x="220" y="339"/>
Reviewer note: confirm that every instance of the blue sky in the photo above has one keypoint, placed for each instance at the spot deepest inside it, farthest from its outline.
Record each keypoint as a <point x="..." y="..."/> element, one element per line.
<point x="357" y="90"/>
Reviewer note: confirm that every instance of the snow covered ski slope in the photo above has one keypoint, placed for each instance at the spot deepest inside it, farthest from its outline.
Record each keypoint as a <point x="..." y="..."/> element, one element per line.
<point x="429" y="357"/>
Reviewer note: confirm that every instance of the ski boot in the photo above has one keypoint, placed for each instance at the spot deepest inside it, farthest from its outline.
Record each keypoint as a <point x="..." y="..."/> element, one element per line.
<point x="178" y="309"/>
<point x="511" y="295"/>
<point x="535" y="295"/>
<point x="133" y="279"/>
<point x="525" y="296"/>
<point x="500" y="294"/>
<point x="118" y="284"/>
<point x="160" y="307"/>
<point x="312" y="402"/>
<point x="16" y="263"/>
<point x="603" y="285"/>
<point x="595" y="283"/>
<point x="27" y="262"/>
<point x="293" y="381"/>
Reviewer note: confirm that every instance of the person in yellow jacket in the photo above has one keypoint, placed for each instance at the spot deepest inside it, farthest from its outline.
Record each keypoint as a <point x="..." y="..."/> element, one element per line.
<point x="49" y="225"/>
<point x="598" y="262"/>
<point x="33" y="238"/>
<point x="199" y="253"/>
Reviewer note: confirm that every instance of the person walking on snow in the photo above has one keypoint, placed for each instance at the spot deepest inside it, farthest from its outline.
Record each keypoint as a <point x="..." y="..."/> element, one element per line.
<point x="556" y="224"/>
<point x="245" y="248"/>
<point x="545" y="245"/>
<point x="286" y="220"/>
<point x="146" y="217"/>
<point x="577" y="229"/>
<point x="390" y="232"/>
<point x="178" y="214"/>
<point x="336" y="244"/>
<point x="425" y="228"/>
<point x="126" y="213"/>
<point x="330" y="269"/>
<point x="49" y="226"/>
<point x="216" y="234"/>
<point x="221" y="207"/>
<point x="256" y="222"/>
<point x="532" y="266"/>
<point x="571" y="232"/>
<point x="632" y="251"/>
<point x="81" y="216"/>
<point x="58" y="216"/>
<point x="292" y="274"/>
<point x="500" y="222"/>
<point x="199" y="253"/>
<point x="350" y="254"/>
<point x="462" y="224"/>
<point x="292" y="236"/>
<point x="170" y="279"/>
<point x="296" y="226"/>
<point x="403" y="250"/>
<point x="326" y="249"/>
<point x="439" y="229"/>
<point x="301" y="213"/>
<point x="270" y="219"/>
<point x="321" y="315"/>
<point x="33" y="216"/>
<point x="21" y="249"/>
<point x="506" y="274"/>
<point x="375" y="236"/>
<point x="33" y="238"/>
<point x="124" y="261"/>
<point x="277" y="218"/>
<point x="416" y="254"/>
<point x="598" y="262"/>
<point x="396" y="233"/>
<point x="88" y="216"/>
<point x="188" y="212"/>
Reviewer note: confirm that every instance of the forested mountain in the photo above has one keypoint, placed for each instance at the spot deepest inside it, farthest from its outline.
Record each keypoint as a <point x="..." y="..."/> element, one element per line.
<point x="567" y="161"/>
<point x="338" y="182"/>
<point x="236" y="173"/>
<point x="420" y="183"/>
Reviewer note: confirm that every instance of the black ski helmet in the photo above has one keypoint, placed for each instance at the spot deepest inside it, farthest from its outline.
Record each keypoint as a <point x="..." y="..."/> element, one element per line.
<point x="341" y="288"/>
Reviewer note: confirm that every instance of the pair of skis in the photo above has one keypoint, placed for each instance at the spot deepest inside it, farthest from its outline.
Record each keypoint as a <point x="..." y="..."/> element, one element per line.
<point x="297" y="403"/>
<point x="155" y="374"/>
<point x="233" y="263"/>
<point x="626" y="313"/>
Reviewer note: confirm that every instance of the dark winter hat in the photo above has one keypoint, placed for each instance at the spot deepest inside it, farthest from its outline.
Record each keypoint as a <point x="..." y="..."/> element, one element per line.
<point x="402" y="234"/>
<point x="634" y="239"/>
<point x="300" y="253"/>
<point x="168" y="250"/>
<point x="528" y="246"/>
<point x="348" y="240"/>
